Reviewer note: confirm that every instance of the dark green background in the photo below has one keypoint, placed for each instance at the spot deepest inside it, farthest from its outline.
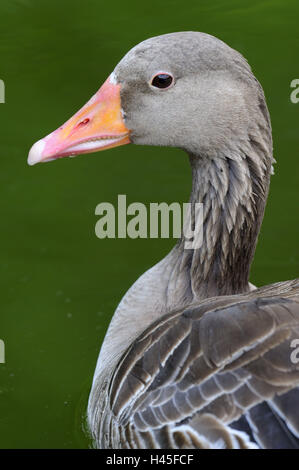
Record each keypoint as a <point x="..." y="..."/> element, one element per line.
<point x="59" y="283"/>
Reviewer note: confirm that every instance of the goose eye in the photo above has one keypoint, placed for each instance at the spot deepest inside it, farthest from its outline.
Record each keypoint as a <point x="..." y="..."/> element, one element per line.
<point x="162" y="80"/>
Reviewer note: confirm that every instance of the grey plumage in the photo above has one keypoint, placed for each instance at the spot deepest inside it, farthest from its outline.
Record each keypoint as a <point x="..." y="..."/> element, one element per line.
<point x="217" y="359"/>
<point x="194" y="357"/>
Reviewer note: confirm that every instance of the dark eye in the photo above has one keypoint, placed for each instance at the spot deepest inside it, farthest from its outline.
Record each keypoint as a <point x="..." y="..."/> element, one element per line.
<point x="162" y="80"/>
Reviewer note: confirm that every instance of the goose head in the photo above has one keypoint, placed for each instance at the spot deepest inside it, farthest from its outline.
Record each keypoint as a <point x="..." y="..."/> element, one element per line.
<point x="187" y="90"/>
<point x="192" y="91"/>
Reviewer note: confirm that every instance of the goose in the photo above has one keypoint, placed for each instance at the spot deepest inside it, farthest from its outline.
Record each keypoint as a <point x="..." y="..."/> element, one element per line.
<point x="195" y="356"/>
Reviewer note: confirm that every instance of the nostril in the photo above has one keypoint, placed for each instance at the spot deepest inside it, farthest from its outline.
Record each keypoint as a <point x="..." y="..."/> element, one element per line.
<point x="84" y="122"/>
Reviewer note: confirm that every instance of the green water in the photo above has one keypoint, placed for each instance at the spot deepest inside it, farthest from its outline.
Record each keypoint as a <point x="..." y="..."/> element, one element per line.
<point x="59" y="283"/>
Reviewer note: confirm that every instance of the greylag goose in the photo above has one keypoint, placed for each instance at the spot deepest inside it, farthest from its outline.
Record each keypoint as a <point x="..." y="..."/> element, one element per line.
<point x="195" y="356"/>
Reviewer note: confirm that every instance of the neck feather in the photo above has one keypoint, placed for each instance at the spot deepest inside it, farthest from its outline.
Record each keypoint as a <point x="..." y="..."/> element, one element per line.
<point x="233" y="189"/>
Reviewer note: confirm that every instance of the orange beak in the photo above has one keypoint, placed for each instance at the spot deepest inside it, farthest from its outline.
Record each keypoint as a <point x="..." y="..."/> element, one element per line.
<point x="97" y="126"/>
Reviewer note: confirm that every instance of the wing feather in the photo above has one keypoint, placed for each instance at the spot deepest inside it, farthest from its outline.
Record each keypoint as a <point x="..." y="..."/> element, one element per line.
<point x="195" y="372"/>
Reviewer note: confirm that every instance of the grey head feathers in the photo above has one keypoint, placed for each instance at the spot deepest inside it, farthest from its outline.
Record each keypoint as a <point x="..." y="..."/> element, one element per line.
<point x="215" y="97"/>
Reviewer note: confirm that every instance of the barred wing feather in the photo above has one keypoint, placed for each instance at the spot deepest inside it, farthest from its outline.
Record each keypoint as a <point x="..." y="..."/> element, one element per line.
<point x="216" y="374"/>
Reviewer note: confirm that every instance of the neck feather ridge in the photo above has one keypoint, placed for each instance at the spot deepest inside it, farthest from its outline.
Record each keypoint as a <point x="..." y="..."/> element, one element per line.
<point x="233" y="188"/>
